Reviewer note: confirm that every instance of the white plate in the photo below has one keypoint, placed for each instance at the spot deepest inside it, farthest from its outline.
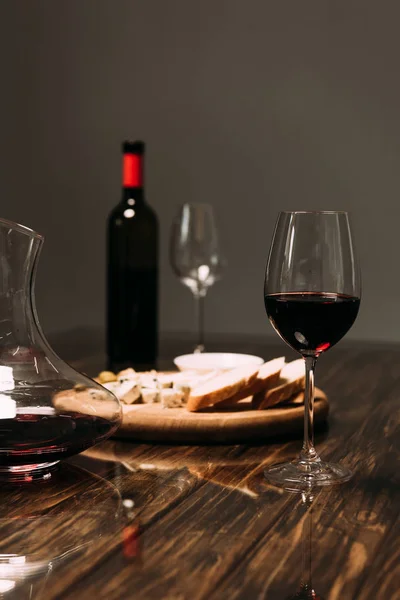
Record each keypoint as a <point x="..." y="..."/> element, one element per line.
<point x="204" y="362"/>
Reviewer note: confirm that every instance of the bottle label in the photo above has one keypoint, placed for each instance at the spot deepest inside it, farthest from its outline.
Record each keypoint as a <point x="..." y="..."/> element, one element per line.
<point x="132" y="171"/>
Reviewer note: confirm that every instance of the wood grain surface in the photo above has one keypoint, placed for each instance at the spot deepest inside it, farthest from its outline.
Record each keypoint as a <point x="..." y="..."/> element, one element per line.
<point x="179" y="522"/>
<point x="238" y="423"/>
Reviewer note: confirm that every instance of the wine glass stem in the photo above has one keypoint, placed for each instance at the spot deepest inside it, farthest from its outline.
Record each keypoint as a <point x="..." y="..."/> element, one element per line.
<point x="308" y="452"/>
<point x="199" y="299"/>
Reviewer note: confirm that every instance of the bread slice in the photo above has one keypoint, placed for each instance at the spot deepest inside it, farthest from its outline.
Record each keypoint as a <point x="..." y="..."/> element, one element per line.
<point x="292" y="380"/>
<point x="221" y="387"/>
<point x="267" y="377"/>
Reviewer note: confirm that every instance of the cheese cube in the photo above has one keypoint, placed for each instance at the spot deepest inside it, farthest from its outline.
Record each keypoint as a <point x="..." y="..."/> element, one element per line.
<point x="172" y="398"/>
<point x="149" y="380"/>
<point x="127" y="392"/>
<point x="184" y="388"/>
<point x="150" y="395"/>
<point x="130" y="393"/>
<point x="127" y="375"/>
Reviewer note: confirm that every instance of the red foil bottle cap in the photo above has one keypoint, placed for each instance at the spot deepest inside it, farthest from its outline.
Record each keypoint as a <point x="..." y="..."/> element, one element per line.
<point x="132" y="173"/>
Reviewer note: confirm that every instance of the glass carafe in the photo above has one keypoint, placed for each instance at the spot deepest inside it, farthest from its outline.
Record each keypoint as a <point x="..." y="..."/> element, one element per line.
<point x="48" y="411"/>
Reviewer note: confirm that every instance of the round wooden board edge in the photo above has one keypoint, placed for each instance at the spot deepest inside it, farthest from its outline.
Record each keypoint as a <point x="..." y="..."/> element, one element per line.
<point x="219" y="427"/>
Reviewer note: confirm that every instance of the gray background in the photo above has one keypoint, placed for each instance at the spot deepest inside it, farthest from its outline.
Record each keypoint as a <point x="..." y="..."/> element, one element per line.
<point x="253" y="105"/>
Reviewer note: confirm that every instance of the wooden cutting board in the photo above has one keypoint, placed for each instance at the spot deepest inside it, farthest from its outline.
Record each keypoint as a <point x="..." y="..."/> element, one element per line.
<point x="153" y="423"/>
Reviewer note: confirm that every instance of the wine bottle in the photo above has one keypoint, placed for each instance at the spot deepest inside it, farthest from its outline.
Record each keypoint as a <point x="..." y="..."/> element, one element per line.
<point x="132" y="282"/>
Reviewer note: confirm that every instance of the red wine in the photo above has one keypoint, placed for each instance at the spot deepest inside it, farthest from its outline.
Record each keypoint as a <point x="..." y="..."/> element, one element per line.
<point x="132" y="282"/>
<point x="311" y="322"/>
<point x="37" y="437"/>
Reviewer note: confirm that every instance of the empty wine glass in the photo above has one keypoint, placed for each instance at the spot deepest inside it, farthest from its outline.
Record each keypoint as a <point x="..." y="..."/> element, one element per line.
<point x="195" y="255"/>
<point x="312" y="296"/>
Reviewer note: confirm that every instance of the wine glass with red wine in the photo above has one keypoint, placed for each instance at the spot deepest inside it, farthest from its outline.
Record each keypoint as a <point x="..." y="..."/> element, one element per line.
<point x="312" y="296"/>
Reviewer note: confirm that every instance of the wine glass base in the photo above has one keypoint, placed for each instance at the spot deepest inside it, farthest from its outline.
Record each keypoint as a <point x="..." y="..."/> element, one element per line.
<point x="301" y="475"/>
<point x="27" y="473"/>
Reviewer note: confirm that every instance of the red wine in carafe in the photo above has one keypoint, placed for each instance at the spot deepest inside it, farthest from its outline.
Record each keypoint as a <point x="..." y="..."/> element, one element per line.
<point x="42" y="435"/>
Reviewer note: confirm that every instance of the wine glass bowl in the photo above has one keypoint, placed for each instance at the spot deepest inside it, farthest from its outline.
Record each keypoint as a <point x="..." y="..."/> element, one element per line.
<point x="312" y="295"/>
<point x="195" y="255"/>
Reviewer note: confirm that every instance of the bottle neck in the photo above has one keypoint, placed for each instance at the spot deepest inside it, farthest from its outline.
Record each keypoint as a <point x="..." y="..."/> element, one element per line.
<point x="132" y="196"/>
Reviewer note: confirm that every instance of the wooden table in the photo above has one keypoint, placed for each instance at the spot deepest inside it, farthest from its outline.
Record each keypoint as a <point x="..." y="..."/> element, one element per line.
<point x="170" y="522"/>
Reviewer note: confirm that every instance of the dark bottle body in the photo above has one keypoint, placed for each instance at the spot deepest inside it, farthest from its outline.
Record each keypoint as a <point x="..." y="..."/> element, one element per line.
<point x="132" y="308"/>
